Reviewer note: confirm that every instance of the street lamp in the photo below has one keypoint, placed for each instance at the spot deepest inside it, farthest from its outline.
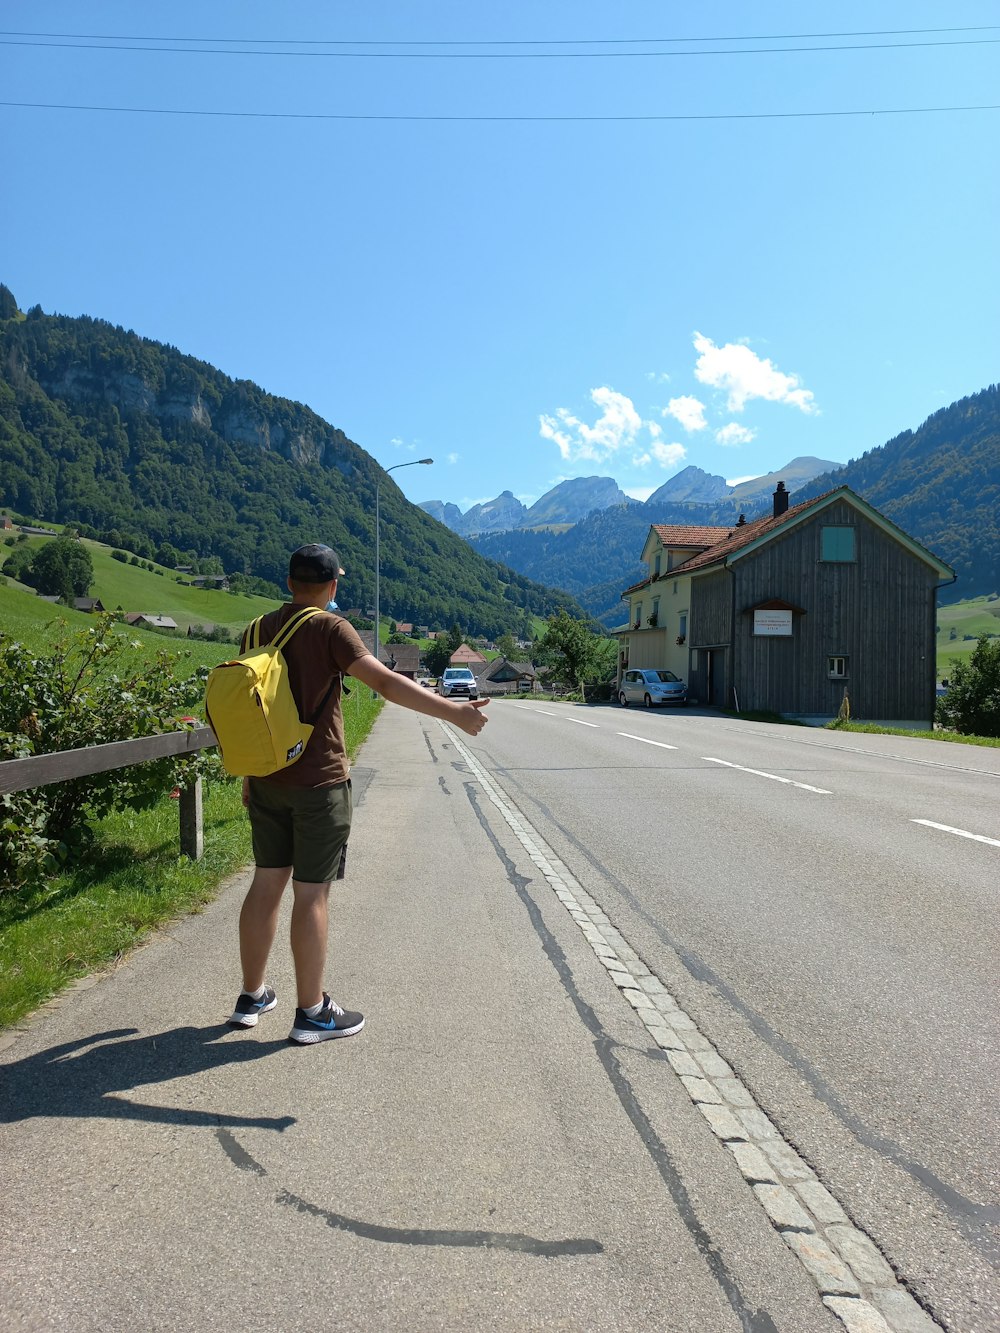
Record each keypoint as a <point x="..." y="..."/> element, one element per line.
<point x="413" y="463"/>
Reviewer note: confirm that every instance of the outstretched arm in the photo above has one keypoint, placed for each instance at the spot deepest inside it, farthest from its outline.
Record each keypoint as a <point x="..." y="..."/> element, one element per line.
<point x="401" y="690"/>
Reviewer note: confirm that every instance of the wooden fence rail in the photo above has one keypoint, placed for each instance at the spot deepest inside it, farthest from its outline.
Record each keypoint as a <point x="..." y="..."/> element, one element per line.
<point x="42" y="770"/>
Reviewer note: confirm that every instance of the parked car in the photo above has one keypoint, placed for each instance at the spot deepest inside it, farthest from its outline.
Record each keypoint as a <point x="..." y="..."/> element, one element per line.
<point x="458" y="682"/>
<point x="650" y="687"/>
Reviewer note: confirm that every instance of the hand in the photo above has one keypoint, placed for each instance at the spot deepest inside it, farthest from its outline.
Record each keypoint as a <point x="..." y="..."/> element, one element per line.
<point x="469" y="716"/>
<point x="246" y="791"/>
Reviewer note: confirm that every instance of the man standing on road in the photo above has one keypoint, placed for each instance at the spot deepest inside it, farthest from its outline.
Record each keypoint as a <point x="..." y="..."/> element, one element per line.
<point x="300" y="817"/>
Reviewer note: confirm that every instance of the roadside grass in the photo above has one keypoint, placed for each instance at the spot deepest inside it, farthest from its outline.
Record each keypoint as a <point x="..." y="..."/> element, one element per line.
<point x="954" y="737"/>
<point x="132" y="881"/>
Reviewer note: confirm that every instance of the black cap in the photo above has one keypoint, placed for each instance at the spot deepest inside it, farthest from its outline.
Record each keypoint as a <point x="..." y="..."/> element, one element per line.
<point x="314" y="564"/>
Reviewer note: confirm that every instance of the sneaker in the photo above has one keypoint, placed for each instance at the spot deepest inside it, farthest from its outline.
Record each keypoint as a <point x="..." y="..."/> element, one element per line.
<point x="331" y="1021"/>
<point x="248" y="1010"/>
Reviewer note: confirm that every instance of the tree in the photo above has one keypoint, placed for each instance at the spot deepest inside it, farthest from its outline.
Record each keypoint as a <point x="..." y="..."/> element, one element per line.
<point x="506" y="646"/>
<point x="438" y="655"/>
<point x="62" y="568"/>
<point x="972" y="703"/>
<point x="576" y="655"/>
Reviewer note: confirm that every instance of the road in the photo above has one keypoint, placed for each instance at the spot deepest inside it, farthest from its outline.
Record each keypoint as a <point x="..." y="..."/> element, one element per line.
<point x="659" y="1005"/>
<point x="842" y="956"/>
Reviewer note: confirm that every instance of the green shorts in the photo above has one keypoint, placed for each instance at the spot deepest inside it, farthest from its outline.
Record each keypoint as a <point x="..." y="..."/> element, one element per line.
<point x="302" y="827"/>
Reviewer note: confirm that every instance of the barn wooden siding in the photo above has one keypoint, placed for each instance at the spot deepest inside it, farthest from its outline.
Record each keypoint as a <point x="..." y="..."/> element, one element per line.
<point x="878" y="611"/>
<point x="710" y="631"/>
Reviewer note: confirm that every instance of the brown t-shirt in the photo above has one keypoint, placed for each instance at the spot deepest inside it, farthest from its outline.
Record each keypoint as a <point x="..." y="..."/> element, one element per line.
<point x="317" y="652"/>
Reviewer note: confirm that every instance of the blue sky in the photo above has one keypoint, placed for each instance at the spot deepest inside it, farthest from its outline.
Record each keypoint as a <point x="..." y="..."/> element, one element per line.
<point x="527" y="300"/>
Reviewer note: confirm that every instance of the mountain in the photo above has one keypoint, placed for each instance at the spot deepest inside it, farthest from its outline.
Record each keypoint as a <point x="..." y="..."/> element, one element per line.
<point x="574" y="499"/>
<point x="940" y="484"/>
<point x="797" y="473"/>
<point x="143" y="447"/>
<point x="691" y="483"/>
<point x="567" y="502"/>
<point x="504" y="512"/>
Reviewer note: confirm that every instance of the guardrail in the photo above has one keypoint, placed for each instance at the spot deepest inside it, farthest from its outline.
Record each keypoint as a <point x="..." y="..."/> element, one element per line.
<point x="42" y="770"/>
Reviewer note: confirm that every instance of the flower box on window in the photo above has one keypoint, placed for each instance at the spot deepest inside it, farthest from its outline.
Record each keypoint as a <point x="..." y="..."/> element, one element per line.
<point x="681" y="638"/>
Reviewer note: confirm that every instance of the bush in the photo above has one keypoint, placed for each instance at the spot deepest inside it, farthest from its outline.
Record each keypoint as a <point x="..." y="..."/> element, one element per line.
<point x="87" y="690"/>
<point x="972" y="703"/>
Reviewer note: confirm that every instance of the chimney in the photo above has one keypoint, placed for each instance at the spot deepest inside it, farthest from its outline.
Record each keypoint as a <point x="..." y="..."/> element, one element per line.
<point x="780" y="500"/>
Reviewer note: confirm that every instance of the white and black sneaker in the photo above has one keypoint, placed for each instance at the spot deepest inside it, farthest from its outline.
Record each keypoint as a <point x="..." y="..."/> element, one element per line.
<point x="331" y="1021"/>
<point x="248" y="1010"/>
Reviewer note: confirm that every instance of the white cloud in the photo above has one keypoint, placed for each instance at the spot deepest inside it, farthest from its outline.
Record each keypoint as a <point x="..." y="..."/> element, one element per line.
<point x="618" y="427"/>
<point x="669" y="455"/>
<point x="688" y="411"/>
<point x="639" y="492"/>
<point x="733" y="435"/>
<point x="453" y="458"/>
<point x="744" y="375"/>
<point x="738" y="481"/>
<point x="657" y="376"/>
<point x="398" y="443"/>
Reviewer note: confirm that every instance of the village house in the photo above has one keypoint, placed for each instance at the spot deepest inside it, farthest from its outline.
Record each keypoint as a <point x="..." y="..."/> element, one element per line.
<point x="466" y="656"/>
<point x="219" y="581"/>
<point x="91" y="604"/>
<point x="403" y="658"/>
<point x="506" y="677"/>
<point x="790" y="612"/>
<point x="146" y="621"/>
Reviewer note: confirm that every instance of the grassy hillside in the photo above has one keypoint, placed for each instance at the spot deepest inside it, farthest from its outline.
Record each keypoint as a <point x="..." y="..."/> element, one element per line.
<point x="968" y="620"/>
<point x="132" y="588"/>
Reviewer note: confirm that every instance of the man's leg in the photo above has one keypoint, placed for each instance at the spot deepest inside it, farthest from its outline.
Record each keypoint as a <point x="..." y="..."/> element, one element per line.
<point x="309" y="933"/>
<point x="259" y="921"/>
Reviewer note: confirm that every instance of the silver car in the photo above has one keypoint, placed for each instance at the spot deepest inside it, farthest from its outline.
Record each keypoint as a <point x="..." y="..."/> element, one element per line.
<point x="650" y="687"/>
<point x="458" y="683"/>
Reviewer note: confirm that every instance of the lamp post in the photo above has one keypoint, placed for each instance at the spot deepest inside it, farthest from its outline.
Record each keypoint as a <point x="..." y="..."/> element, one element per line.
<point x="378" y="484"/>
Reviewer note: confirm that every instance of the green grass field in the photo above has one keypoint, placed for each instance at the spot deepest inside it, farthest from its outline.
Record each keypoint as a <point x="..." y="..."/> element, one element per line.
<point x="132" y="588"/>
<point x="978" y="615"/>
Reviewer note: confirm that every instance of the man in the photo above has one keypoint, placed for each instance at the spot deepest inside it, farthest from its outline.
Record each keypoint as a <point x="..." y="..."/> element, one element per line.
<point x="300" y="817"/>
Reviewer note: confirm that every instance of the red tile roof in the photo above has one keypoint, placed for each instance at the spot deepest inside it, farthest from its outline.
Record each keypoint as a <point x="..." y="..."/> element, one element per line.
<point x="683" y="535"/>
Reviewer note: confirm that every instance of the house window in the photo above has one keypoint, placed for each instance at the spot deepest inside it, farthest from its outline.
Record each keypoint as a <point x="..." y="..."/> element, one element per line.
<point x="656" y="565"/>
<point x="683" y="625"/>
<point x="836" y="668"/>
<point x="637" y="618"/>
<point x="837" y="545"/>
<point x="655" y="616"/>
<point x="675" y="587"/>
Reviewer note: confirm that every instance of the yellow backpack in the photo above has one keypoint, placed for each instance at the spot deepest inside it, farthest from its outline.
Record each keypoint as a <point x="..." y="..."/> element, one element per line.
<point x="249" y="705"/>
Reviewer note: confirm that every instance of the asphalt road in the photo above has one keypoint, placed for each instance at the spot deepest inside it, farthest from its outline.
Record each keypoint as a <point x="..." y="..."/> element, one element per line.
<point x="507" y="1145"/>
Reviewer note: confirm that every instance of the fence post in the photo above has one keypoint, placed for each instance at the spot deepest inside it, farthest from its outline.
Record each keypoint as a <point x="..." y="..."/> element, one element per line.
<point x="192" y="824"/>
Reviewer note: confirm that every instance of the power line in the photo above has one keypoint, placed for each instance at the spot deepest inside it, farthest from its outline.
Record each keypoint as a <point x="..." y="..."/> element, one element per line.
<point x="499" y="55"/>
<point x="344" y="116"/>
<point x="538" y="41"/>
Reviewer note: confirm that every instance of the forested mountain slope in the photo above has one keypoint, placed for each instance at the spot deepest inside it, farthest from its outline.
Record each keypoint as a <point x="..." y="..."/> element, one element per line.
<point x="134" y="439"/>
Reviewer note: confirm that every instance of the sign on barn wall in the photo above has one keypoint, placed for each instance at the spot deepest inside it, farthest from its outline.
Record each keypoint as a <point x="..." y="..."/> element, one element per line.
<point x="773" y="623"/>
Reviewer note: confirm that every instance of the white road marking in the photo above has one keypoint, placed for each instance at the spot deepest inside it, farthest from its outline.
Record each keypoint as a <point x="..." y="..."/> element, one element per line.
<point x="959" y="832"/>
<point x="629" y="737"/>
<point x="818" y="1226"/>
<point x="580" y="722"/>
<point x="541" y="710"/>
<point x="822" y="791"/>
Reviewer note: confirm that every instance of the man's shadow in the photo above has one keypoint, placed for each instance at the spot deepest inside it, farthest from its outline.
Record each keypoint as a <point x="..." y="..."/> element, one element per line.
<point x="79" y="1078"/>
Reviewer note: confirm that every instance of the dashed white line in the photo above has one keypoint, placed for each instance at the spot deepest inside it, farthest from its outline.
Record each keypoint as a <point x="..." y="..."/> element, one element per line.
<point x="959" y="832"/>
<point x="580" y="722"/>
<point x="662" y="744"/>
<point x="821" y="791"/>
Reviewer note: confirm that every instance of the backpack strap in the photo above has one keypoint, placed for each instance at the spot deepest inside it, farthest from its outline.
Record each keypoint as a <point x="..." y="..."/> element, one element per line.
<point x="281" y="639"/>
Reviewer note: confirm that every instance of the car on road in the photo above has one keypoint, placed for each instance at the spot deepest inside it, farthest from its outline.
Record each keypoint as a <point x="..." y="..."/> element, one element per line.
<point x="458" y="682"/>
<point x="651" y="686"/>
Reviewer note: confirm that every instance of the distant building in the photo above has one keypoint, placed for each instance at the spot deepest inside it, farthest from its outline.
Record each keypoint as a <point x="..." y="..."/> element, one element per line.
<point x="466" y="656"/>
<point x="91" y="604"/>
<point x="145" y="621"/>
<point x="403" y="658"/>
<point x="218" y="581"/>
